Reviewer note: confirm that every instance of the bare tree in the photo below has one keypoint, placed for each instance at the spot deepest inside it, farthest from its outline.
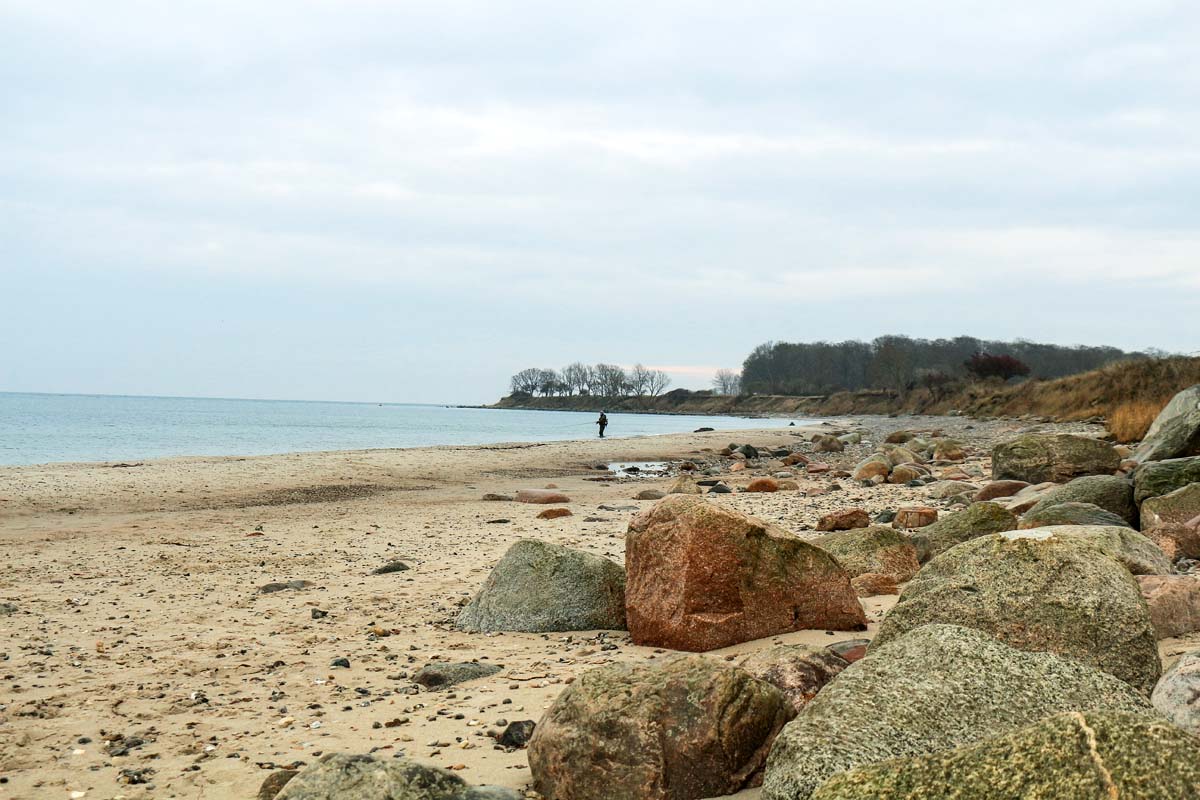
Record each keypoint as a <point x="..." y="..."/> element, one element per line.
<point x="639" y="379"/>
<point x="576" y="377"/>
<point x="548" y="382"/>
<point x="611" y="380"/>
<point x="657" y="382"/>
<point x="527" y="381"/>
<point x="727" y="382"/>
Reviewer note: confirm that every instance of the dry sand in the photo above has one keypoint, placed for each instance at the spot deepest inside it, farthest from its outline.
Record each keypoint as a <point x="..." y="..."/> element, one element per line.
<point x="138" y="611"/>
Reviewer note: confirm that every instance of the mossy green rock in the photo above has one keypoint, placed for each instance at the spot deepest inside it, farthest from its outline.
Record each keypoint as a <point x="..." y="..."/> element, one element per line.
<point x="1037" y="591"/>
<point x="1163" y="477"/>
<point x="877" y="549"/>
<point x="977" y="519"/>
<point x="541" y="587"/>
<point x="1091" y="755"/>
<point x="1113" y="493"/>
<point x="1058" y="457"/>
<point x="1070" y="514"/>
<point x="935" y="688"/>
<point x="340" y="776"/>
<point x="1137" y="553"/>
<point x="1173" y="508"/>
<point x="1178" y="437"/>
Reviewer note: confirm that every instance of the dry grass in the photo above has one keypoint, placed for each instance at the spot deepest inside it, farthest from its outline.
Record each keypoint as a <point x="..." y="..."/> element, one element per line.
<point x="1129" y="421"/>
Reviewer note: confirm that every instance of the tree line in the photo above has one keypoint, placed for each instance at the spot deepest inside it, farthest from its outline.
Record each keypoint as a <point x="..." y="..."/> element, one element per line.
<point x="597" y="380"/>
<point x="900" y="363"/>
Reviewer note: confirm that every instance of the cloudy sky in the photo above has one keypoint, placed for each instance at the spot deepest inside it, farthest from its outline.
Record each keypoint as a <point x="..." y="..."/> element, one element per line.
<point x="411" y="201"/>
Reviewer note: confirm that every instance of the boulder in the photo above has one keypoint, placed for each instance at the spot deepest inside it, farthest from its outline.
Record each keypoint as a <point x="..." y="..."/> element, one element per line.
<point x="899" y="437"/>
<point x="649" y="494"/>
<point x="1113" y="493"/>
<point x="341" y="776"/>
<point x="977" y="519"/>
<point x="948" y="450"/>
<point x="1174" y="602"/>
<point x="1039" y="592"/>
<point x="1138" y="554"/>
<point x="1177" y="695"/>
<point x="555" y="513"/>
<point x="763" y="485"/>
<point x="944" y="490"/>
<point x="897" y="454"/>
<point x="684" y="485"/>
<point x="689" y="727"/>
<point x="934" y="688"/>
<point x="914" y="517"/>
<point x="1070" y="514"/>
<point x="1163" y="477"/>
<point x="1181" y="404"/>
<point x="545" y="497"/>
<point x="1059" y="457"/>
<point x="1177" y="541"/>
<point x="1177" y="437"/>
<point x="1093" y="755"/>
<point x="542" y="587"/>
<point x="703" y="576"/>
<point x="903" y="473"/>
<point x="828" y="444"/>
<point x="872" y="466"/>
<point x="877" y="550"/>
<point x="439" y="675"/>
<point x="871" y="584"/>
<point x="1173" y="508"/>
<point x="998" y="489"/>
<point x="797" y="670"/>
<point x="844" y="520"/>
<point x="1028" y="497"/>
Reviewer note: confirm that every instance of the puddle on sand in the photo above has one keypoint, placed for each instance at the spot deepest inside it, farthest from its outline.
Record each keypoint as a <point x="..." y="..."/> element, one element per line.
<point x="639" y="469"/>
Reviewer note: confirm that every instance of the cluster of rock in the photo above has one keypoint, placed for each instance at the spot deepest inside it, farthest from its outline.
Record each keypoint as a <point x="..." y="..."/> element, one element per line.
<point x="905" y="457"/>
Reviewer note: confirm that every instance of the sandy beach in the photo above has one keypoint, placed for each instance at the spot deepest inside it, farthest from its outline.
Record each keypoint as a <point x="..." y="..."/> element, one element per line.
<point x="138" y="610"/>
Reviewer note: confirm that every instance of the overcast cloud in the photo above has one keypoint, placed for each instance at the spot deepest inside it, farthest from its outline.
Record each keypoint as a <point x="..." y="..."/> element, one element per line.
<point x="410" y="202"/>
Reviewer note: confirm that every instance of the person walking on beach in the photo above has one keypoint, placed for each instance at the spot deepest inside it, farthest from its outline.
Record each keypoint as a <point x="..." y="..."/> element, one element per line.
<point x="603" y="423"/>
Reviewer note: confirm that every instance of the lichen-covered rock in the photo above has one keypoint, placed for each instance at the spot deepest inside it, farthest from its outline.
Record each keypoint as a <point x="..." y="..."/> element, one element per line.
<point x="1177" y="541"/>
<point x="933" y="689"/>
<point x="844" y="520"/>
<point x="1070" y="514"/>
<point x="1139" y="555"/>
<point x="823" y="443"/>
<point x="878" y="549"/>
<point x="903" y="473"/>
<point x="686" y="728"/>
<point x="948" y="450"/>
<point x="1114" y="493"/>
<point x="977" y="519"/>
<point x="1162" y="477"/>
<point x="998" y="489"/>
<point x="1182" y="403"/>
<point x="1177" y="695"/>
<point x="1174" y="602"/>
<point x="797" y="670"/>
<point x="702" y="575"/>
<point x="1177" y="436"/>
<point x="340" y="776"/>
<point x="1058" y="457"/>
<point x="684" y="485"/>
<point x="1173" y="508"/>
<point x="1090" y="755"/>
<point x="1039" y="592"/>
<point x="909" y="517"/>
<point x="944" y="490"/>
<point x="541" y="587"/>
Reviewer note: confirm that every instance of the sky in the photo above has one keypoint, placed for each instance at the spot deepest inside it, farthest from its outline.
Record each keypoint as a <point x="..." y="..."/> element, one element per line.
<point x="392" y="201"/>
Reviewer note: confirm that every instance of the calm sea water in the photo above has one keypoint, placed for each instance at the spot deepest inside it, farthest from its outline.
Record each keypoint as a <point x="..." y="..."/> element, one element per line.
<point x="38" y="428"/>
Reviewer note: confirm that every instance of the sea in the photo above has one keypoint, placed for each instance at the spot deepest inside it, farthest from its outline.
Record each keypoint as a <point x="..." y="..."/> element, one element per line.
<point x="42" y="428"/>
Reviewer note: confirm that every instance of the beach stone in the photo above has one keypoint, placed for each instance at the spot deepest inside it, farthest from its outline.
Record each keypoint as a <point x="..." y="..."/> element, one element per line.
<point x="545" y="497"/>
<point x="1093" y="755"/>
<point x="796" y="459"/>
<point x="872" y="584"/>
<point x="943" y="490"/>
<point x="876" y="550"/>
<point x="850" y="649"/>
<point x="914" y="517"/>
<point x="876" y="465"/>
<point x="390" y="567"/>
<point x="492" y="497"/>
<point x="341" y="776"/>
<point x="517" y="734"/>
<point x="797" y="670"/>
<point x="274" y="783"/>
<point x="932" y="689"/>
<point x="1028" y="497"/>
<point x="998" y="489"/>
<point x="649" y="494"/>
<point x="1114" y="493"/>
<point x="1134" y="551"/>
<point x="7" y="608"/>
<point x="1174" y="602"/>
<point x="439" y="675"/>
<point x="1181" y="404"/>
<point x="555" y="513"/>
<point x="703" y="575"/>
<point x="789" y="486"/>
<point x="1163" y="477"/>
<point x="1070" y="514"/>
<point x="1059" y="457"/>
<point x="1038" y="592"/>
<point x="897" y="454"/>
<point x="1177" y="695"/>
<point x="681" y="729"/>
<point x="948" y="450"/>
<point x="1177" y="437"/>
<point x="1173" y="508"/>
<point x="763" y="485"/>
<point x="541" y="587"/>
<point x="899" y="437"/>
<point x="906" y="473"/>
<point x="720" y="488"/>
<point x="1177" y="541"/>
<point x="844" y="520"/>
<point x="977" y="519"/>
<point x="283" y="586"/>
<point x="817" y="468"/>
<point x="684" y="485"/>
<point x="828" y="444"/>
<point x="747" y="450"/>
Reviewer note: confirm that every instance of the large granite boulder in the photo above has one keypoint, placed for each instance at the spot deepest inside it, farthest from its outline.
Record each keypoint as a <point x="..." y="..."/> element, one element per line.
<point x="702" y="576"/>
<point x="1093" y="755"/>
<point x="540" y="587"/>
<point x="340" y="776"/>
<point x="1175" y="432"/>
<point x="1113" y="493"/>
<point x="1173" y="508"/>
<point x="996" y="490"/>
<point x="1058" y="457"/>
<point x="876" y="465"/>
<point x="977" y="519"/>
<point x="1039" y="592"/>
<point x="1070" y="514"/>
<point x="1174" y="602"/>
<point x="1177" y="541"/>
<point x="689" y="727"/>
<point x="1177" y="695"/>
<point x="932" y="689"/>
<point x="797" y="670"/>
<point x="877" y="550"/>
<point x="1139" y="555"/>
<point x="1163" y="477"/>
<point x="1179" y="405"/>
